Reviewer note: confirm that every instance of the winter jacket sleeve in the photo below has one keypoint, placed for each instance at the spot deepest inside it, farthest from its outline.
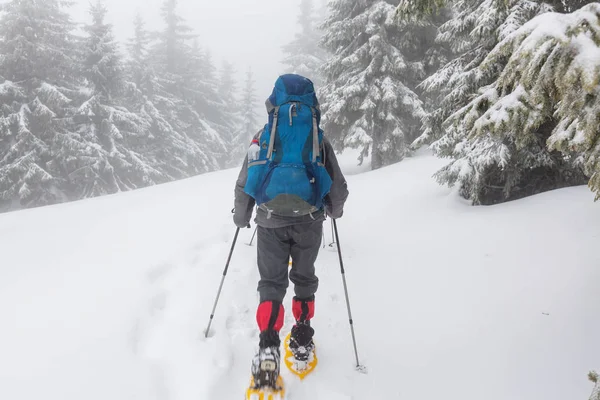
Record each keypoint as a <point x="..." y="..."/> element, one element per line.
<point x="336" y="199"/>
<point x="244" y="203"/>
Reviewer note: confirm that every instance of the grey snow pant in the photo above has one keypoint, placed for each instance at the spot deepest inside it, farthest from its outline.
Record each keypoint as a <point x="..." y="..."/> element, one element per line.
<point x="275" y="246"/>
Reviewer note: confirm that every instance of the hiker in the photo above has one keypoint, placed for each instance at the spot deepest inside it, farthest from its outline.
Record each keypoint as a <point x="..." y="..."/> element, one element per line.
<point x="292" y="175"/>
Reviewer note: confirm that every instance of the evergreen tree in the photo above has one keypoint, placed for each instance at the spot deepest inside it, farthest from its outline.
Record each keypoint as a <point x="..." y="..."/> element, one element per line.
<point x="593" y="376"/>
<point x="568" y="6"/>
<point x="475" y="28"/>
<point x="173" y="48"/>
<point x="103" y="66"/>
<point x="173" y="59"/>
<point x="139" y="71"/>
<point x="228" y="90"/>
<point x="103" y="122"/>
<point x="303" y="55"/>
<point x="250" y="124"/>
<point x="164" y="144"/>
<point x="36" y="88"/>
<point x="421" y="9"/>
<point x="201" y="85"/>
<point x="536" y="127"/>
<point x="368" y="99"/>
<point x="426" y="17"/>
<point x="227" y="83"/>
<point x="161" y="145"/>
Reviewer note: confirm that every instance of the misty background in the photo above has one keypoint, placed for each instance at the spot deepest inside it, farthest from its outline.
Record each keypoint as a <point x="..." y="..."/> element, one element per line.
<point x="248" y="35"/>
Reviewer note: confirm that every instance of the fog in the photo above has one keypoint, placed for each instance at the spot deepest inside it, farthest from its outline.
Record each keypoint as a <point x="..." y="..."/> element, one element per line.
<point x="247" y="34"/>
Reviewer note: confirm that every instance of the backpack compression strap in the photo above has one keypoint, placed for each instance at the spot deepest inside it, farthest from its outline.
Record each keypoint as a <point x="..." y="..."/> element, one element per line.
<point x="316" y="148"/>
<point x="273" y="133"/>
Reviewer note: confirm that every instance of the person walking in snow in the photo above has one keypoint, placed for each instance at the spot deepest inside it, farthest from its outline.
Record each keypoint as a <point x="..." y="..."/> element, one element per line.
<point x="292" y="175"/>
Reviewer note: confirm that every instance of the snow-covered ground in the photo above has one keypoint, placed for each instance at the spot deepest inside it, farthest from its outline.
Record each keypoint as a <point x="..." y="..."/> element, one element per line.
<point x="109" y="298"/>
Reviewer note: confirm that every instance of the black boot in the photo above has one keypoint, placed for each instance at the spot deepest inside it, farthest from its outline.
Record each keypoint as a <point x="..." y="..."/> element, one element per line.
<point x="301" y="340"/>
<point x="266" y="363"/>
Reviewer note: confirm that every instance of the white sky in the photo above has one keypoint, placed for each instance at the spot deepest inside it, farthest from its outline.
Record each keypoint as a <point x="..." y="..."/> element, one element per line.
<point x="247" y="33"/>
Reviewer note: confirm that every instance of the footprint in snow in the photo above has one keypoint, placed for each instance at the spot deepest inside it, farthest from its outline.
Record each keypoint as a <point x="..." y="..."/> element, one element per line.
<point x="158" y="303"/>
<point x="159" y="271"/>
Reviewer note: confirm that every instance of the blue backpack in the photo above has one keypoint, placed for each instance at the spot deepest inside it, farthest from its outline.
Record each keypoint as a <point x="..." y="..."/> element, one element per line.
<point x="289" y="178"/>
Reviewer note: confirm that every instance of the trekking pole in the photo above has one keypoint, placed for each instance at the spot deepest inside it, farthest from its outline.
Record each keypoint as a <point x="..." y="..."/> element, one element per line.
<point x="253" y="235"/>
<point x="222" y="281"/>
<point x="332" y="234"/>
<point x="359" y="367"/>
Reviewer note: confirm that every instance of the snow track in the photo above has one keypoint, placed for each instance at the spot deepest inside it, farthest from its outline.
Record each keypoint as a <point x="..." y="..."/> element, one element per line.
<point x="109" y="298"/>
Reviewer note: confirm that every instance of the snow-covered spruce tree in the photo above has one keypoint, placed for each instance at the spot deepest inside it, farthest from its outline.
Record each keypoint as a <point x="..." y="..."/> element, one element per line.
<point x="538" y="124"/>
<point x="138" y="68"/>
<point x="567" y="6"/>
<point x="420" y="9"/>
<point x="473" y="31"/>
<point x="228" y="90"/>
<point x="201" y="91"/>
<point x="368" y="100"/>
<point x="426" y="16"/>
<point x="249" y="103"/>
<point x="154" y="142"/>
<point x="593" y="376"/>
<point x="203" y="73"/>
<point x="303" y="55"/>
<point x="228" y="86"/>
<point x="35" y="90"/>
<point x="103" y="122"/>
<point x="165" y="148"/>
<point x="170" y="58"/>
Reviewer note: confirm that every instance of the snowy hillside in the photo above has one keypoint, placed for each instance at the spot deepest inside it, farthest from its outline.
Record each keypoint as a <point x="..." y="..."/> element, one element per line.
<point x="108" y="298"/>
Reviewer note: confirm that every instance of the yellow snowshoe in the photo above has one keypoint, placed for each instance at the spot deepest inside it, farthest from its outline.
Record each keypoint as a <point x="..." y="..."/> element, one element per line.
<point x="267" y="392"/>
<point x="300" y="368"/>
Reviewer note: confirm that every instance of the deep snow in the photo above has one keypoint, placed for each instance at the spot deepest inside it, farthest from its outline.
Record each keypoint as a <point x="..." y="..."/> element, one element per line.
<point x="108" y="298"/>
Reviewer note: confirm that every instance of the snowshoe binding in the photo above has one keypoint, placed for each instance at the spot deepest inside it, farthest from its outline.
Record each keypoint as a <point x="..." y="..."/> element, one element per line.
<point x="266" y="383"/>
<point x="300" y="356"/>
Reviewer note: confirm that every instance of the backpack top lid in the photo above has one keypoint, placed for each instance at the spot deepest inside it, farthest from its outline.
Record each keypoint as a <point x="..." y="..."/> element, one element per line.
<point x="292" y="87"/>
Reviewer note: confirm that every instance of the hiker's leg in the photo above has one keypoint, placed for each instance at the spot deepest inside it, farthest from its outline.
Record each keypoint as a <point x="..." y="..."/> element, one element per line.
<point x="306" y="243"/>
<point x="272" y="256"/>
<point x="305" y="249"/>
